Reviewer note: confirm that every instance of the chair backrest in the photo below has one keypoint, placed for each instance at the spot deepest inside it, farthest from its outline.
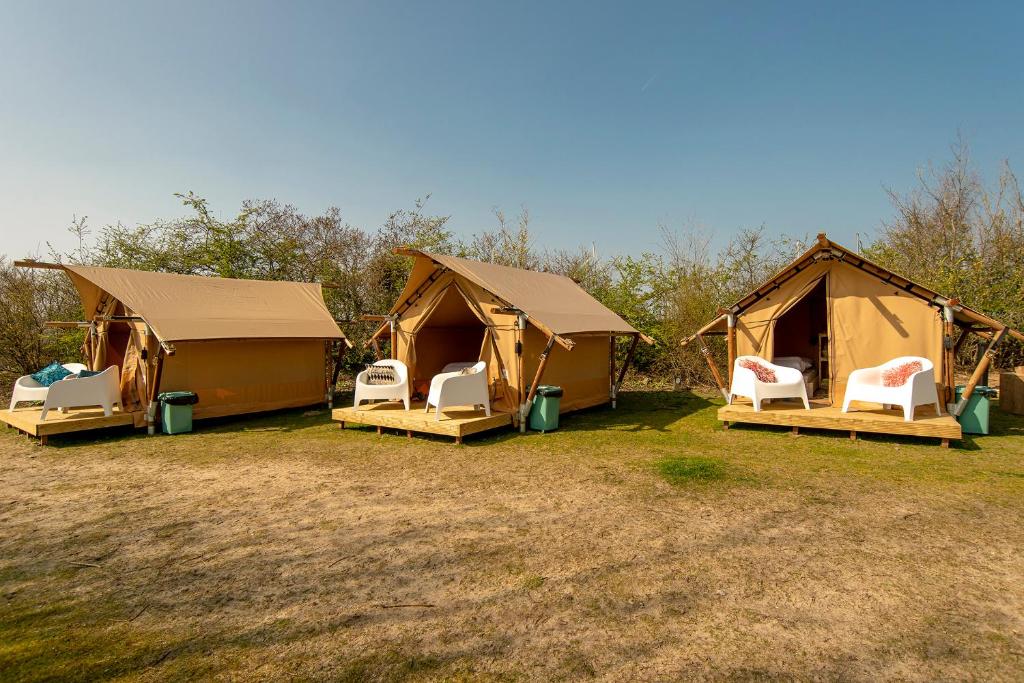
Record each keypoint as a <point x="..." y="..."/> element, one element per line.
<point x="401" y="371"/>
<point x="479" y="366"/>
<point x="457" y="367"/>
<point x="925" y="363"/>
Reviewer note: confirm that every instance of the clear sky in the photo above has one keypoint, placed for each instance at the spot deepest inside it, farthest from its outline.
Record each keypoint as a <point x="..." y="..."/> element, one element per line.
<point x="604" y="119"/>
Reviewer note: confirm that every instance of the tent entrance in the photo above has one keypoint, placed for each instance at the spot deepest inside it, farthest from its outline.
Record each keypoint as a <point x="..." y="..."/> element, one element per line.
<point x="452" y="333"/>
<point x="802" y="331"/>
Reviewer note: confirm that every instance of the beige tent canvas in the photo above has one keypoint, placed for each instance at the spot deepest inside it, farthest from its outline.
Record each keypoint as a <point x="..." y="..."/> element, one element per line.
<point x="242" y="346"/>
<point x="531" y="327"/>
<point x="843" y="312"/>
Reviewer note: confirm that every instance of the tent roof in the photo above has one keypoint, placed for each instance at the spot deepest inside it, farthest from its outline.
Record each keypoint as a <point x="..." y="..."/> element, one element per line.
<point x="551" y="301"/>
<point x="825" y="249"/>
<point x="193" y="307"/>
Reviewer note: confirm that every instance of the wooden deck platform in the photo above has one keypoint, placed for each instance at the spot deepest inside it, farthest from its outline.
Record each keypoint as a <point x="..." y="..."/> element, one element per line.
<point x="868" y="418"/>
<point x="454" y="422"/>
<point x="75" y="420"/>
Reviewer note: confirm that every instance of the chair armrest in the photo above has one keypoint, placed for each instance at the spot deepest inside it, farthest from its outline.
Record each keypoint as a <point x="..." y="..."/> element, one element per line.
<point x="866" y="376"/>
<point x="439" y="379"/>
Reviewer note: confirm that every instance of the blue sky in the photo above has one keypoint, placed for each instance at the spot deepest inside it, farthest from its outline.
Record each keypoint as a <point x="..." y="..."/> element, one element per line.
<point x="604" y="119"/>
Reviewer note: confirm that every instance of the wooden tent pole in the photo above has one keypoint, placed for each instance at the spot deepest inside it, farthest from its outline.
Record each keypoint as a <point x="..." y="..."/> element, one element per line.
<point x="154" y="389"/>
<point x="714" y="368"/>
<point x="376" y="348"/>
<point x="611" y="368"/>
<point x="949" y="355"/>
<point x="730" y="341"/>
<point x="394" y="338"/>
<point x="545" y="354"/>
<point x="979" y="371"/>
<point x="625" y="366"/>
<point x="342" y="348"/>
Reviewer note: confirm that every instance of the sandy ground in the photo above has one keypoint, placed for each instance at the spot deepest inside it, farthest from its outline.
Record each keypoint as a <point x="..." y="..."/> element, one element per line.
<point x="280" y="548"/>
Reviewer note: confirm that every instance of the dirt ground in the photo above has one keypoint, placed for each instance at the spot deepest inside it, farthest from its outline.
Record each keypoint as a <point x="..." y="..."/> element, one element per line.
<point x="637" y="544"/>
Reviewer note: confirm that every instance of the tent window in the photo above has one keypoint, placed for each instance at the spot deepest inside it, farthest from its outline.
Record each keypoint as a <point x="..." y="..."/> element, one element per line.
<point x="451" y="334"/>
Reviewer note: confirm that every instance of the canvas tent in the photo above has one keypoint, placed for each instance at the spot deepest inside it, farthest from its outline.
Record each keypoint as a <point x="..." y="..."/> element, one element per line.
<point x="835" y="306"/>
<point x="530" y="327"/>
<point x="242" y="345"/>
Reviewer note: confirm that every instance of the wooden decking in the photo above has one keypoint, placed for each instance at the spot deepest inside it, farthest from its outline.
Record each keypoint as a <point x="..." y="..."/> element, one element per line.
<point x="454" y="422"/>
<point x="868" y="418"/>
<point x="75" y="420"/>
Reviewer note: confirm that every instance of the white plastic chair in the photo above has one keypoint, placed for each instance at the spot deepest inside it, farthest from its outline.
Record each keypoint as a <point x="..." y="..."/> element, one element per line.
<point x="27" y="389"/>
<point x="103" y="390"/>
<point x="789" y="383"/>
<point x="391" y="392"/>
<point x="464" y="387"/>
<point x="866" y="384"/>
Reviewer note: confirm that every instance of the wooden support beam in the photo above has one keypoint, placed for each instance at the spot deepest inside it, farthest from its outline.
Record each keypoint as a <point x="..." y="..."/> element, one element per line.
<point x="611" y="368"/>
<point x="714" y="368"/>
<point x="629" y="359"/>
<point x="730" y="341"/>
<point x="979" y="371"/>
<point x="43" y="265"/>
<point x="545" y="354"/>
<point x="853" y="435"/>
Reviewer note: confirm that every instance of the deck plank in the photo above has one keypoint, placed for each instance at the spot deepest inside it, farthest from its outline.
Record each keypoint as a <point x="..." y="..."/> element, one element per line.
<point x="454" y="422"/>
<point x="75" y="420"/>
<point x="862" y="418"/>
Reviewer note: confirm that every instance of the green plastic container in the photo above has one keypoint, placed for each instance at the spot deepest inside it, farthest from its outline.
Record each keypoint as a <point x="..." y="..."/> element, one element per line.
<point x="544" y="412"/>
<point x="176" y="411"/>
<point x="974" y="417"/>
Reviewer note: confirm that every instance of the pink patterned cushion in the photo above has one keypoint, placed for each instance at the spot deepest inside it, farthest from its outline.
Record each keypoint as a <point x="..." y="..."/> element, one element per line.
<point x="898" y="375"/>
<point x="763" y="374"/>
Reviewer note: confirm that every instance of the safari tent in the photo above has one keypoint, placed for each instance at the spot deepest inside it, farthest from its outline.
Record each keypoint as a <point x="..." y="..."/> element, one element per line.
<point x="841" y="312"/>
<point x="531" y="327"/>
<point x="242" y="346"/>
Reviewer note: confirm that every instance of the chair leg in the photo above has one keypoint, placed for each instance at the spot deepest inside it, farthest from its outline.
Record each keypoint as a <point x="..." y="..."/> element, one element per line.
<point x="14" y="402"/>
<point x="437" y="413"/>
<point x="487" y="409"/>
<point x="846" y="405"/>
<point x="42" y="415"/>
<point x="108" y="409"/>
<point x="406" y="402"/>
<point x="908" y="413"/>
<point x="938" y="409"/>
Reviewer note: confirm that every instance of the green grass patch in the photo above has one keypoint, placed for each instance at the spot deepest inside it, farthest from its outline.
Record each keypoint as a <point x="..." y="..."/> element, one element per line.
<point x="682" y="470"/>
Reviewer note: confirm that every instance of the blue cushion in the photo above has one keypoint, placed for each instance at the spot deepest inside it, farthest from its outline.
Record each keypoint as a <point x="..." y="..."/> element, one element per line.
<point x="89" y="373"/>
<point x="53" y="372"/>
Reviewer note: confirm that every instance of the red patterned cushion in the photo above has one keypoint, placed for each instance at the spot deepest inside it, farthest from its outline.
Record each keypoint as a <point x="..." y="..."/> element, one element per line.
<point x="763" y="374"/>
<point x="898" y="375"/>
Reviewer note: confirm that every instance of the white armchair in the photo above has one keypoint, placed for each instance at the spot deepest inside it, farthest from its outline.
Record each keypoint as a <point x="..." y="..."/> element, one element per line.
<point x="27" y="389"/>
<point x="789" y="382"/>
<point x="398" y="390"/>
<point x="918" y="389"/>
<point x="462" y="387"/>
<point x="103" y="390"/>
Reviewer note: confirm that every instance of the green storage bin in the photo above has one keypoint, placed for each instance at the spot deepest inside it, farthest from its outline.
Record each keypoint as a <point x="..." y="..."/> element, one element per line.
<point x="974" y="417"/>
<point x="544" y="412"/>
<point x="176" y="411"/>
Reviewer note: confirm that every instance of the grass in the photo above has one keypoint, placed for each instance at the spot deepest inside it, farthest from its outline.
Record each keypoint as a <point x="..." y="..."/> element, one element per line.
<point x="682" y="470"/>
<point x="640" y="543"/>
